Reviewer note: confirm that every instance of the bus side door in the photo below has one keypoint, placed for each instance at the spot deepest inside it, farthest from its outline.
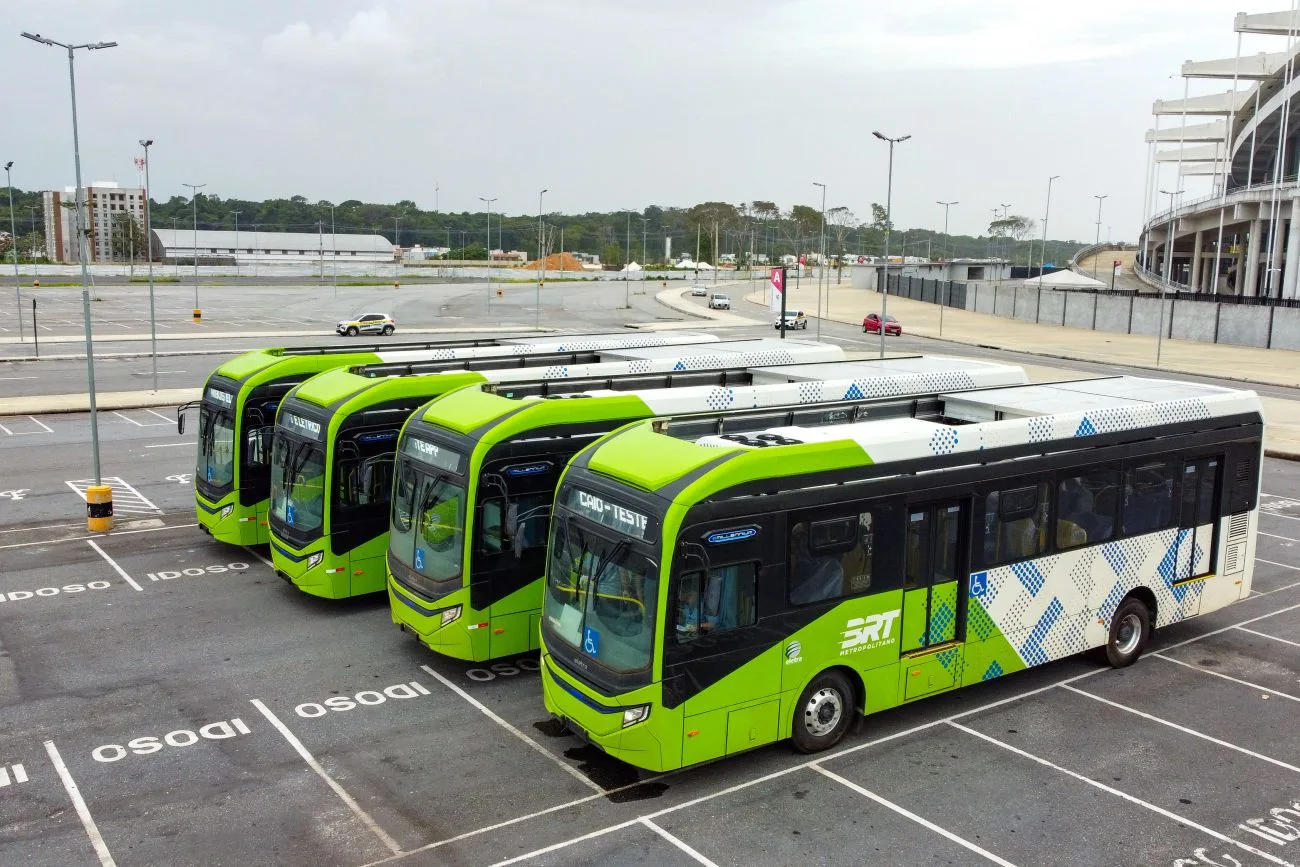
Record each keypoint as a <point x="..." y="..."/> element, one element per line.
<point x="933" y="609"/>
<point x="1198" y="519"/>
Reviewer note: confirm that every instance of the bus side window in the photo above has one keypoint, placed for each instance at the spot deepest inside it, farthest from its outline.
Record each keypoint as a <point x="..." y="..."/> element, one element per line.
<point x="1148" y="497"/>
<point x="831" y="559"/>
<point x="726" y="601"/>
<point x="1015" y="523"/>
<point x="1085" y="508"/>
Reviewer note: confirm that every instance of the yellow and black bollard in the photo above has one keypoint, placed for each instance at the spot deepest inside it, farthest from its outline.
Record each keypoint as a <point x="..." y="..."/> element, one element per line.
<point x="99" y="508"/>
<point x="198" y="315"/>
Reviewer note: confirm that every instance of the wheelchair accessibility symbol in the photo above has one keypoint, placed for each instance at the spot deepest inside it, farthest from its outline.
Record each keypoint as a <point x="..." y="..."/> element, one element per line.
<point x="591" y="642"/>
<point x="979" y="583"/>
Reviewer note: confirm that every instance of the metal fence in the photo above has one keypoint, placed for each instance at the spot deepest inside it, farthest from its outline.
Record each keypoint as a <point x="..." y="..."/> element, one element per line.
<point x="949" y="293"/>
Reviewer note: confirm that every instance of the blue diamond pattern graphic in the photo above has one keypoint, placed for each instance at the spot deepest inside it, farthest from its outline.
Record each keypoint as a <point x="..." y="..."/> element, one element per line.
<point x="994" y="670"/>
<point x="681" y="365"/>
<point x="947" y="658"/>
<point x="1086" y="428"/>
<point x="1031" y="651"/>
<point x="1115" y="557"/>
<point x="940" y="620"/>
<point x="1111" y="602"/>
<point x="1030" y="576"/>
<point x="854" y="393"/>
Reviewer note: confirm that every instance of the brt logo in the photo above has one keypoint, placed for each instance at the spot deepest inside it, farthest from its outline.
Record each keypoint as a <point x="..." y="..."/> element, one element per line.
<point x="867" y="633"/>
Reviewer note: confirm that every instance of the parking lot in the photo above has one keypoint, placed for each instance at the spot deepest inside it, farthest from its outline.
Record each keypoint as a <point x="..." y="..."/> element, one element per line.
<point x="165" y="699"/>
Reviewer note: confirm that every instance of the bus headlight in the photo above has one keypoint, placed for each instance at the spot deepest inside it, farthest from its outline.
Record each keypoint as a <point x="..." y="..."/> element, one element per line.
<point x="314" y="560"/>
<point x="227" y="511"/>
<point x="634" y="715"/>
<point x="450" y="615"/>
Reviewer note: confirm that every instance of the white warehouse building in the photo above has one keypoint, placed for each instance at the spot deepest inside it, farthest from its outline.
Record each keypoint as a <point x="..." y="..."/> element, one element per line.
<point x="249" y="246"/>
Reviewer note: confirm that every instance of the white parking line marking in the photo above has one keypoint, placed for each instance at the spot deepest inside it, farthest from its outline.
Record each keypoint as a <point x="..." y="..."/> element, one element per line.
<point x="1125" y="795"/>
<point x="16" y="377"/>
<point x="1266" y="635"/>
<point x="46" y="427"/>
<point x="1272" y="563"/>
<point x="1223" y="629"/>
<point x="165" y="420"/>
<point x="126" y="499"/>
<point x="83" y="538"/>
<point x="1184" y="729"/>
<point x="169" y="445"/>
<point x="1277" y="515"/>
<point x="486" y="711"/>
<point x="269" y="564"/>
<point x="160" y="415"/>
<point x="1275" y="536"/>
<point x="1275" y="692"/>
<point x="101" y="848"/>
<point x="563" y="845"/>
<point x="907" y="814"/>
<point x="125" y="577"/>
<point x="330" y="781"/>
<point x="680" y="844"/>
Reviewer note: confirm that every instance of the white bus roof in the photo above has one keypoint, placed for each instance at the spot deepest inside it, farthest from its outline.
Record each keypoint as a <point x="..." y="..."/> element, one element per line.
<point x="508" y="346"/>
<point x="912" y="374"/>
<point x="1000" y="417"/>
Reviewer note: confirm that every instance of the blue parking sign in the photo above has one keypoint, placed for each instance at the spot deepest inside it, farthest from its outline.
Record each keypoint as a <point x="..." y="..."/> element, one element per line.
<point x="591" y="642"/>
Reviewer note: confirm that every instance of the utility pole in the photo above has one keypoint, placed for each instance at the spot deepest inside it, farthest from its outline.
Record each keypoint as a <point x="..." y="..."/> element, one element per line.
<point x="236" y="213"/>
<point x="889" y="198"/>
<point x="13" y="238"/>
<point x="821" y="264"/>
<point x="1096" y="241"/>
<point x="148" y="234"/>
<point x="195" y="188"/>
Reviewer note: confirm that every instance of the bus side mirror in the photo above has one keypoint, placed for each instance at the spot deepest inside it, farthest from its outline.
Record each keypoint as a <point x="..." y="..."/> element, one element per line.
<point x="180" y="422"/>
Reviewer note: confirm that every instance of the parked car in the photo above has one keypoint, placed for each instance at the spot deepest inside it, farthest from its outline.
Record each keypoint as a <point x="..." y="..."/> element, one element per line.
<point x="719" y="301"/>
<point x="871" y="325"/>
<point x="793" y="319"/>
<point x="367" y="323"/>
<point x="699" y="291"/>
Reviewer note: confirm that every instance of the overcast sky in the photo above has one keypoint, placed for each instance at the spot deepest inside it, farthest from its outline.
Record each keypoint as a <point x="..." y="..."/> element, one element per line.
<point x="616" y="104"/>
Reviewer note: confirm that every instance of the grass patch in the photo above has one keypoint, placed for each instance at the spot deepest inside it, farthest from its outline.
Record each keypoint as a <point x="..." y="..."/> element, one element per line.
<point x="156" y="279"/>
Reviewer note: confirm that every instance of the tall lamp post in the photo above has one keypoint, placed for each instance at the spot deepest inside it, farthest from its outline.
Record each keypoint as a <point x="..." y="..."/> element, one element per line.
<point x="889" y="196"/>
<point x="13" y="242"/>
<point x="627" y="287"/>
<point x="146" y="143"/>
<point x="81" y="237"/>
<point x="236" y="213"/>
<point x="821" y="257"/>
<point x="488" y="202"/>
<point x="541" y="260"/>
<point x="397" y="242"/>
<point x="1169" y="267"/>
<point x="1097" y="240"/>
<point x="1042" y="251"/>
<point x="947" y="247"/>
<point x="195" y="201"/>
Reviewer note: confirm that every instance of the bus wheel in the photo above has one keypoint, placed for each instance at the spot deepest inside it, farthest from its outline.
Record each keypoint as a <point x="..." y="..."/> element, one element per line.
<point x="1130" y="629"/>
<point x="823" y="714"/>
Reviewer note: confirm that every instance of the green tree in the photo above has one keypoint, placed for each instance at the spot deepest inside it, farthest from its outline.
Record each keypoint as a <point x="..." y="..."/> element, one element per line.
<point x="612" y="255"/>
<point x="129" y="239"/>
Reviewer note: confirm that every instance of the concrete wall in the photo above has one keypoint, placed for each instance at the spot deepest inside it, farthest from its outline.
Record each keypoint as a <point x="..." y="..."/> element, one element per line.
<point x="1286" y="328"/>
<point x="1194" y="321"/>
<point x="1112" y="313"/>
<point x="1051" y="307"/>
<point x="1079" y="309"/>
<point x="1243" y="326"/>
<point x="1147" y="316"/>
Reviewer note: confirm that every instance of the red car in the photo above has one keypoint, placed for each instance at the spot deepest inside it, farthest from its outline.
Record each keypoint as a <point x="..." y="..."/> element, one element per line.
<point x="871" y="325"/>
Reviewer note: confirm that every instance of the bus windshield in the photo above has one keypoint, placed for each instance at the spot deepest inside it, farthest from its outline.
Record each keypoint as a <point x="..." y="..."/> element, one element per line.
<point x="601" y="593"/>
<point x="216" y="461"/>
<point x="427" y="531"/>
<point x="297" y="485"/>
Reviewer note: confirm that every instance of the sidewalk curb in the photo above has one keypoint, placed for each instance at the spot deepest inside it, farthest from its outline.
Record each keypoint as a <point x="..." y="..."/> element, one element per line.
<point x="672" y="299"/>
<point x="61" y="404"/>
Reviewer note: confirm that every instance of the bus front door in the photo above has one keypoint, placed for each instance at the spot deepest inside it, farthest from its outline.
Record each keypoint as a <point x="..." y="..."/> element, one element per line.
<point x="932" y="605"/>
<point x="1195" y="550"/>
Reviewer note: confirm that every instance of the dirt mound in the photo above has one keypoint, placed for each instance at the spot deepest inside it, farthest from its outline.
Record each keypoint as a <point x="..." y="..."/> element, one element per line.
<point x="555" y="262"/>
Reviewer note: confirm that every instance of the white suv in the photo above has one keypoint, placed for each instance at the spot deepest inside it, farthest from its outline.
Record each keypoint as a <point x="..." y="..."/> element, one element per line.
<point x="719" y="301"/>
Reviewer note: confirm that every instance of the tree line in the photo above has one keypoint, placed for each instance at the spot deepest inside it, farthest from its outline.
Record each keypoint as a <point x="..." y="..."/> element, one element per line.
<point x="709" y="230"/>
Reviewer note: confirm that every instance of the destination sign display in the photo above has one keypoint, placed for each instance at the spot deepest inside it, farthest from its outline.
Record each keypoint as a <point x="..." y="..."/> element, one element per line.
<point x="431" y="453"/>
<point x="608" y="514"/>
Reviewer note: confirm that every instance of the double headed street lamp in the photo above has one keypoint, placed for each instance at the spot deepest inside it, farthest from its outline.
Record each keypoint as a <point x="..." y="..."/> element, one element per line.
<point x="488" y="201"/>
<point x="821" y="265"/>
<point x="1097" y="240"/>
<point x="541" y="260"/>
<point x="195" y="202"/>
<point x="83" y="253"/>
<point x="13" y="243"/>
<point x="947" y="246"/>
<point x="147" y="143"/>
<point x="889" y="195"/>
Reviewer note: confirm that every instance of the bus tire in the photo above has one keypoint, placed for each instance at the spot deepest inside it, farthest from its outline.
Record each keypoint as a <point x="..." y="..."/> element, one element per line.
<point x="1130" y="630"/>
<point x="824" y="713"/>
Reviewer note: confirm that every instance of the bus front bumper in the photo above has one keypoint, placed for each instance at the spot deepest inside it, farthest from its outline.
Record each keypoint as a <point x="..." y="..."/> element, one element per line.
<point x="599" y="722"/>
<point x="306" y="570"/>
<point x="447" y="626"/>
<point x="225" y="521"/>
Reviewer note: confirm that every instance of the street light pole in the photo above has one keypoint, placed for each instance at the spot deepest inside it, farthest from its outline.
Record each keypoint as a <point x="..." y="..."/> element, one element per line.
<point x="397" y="242"/>
<point x="334" y="249"/>
<point x="236" y="213"/>
<point x="81" y="240"/>
<point x="947" y="246"/>
<point x="627" y="260"/>
<point x="1097" y="240"/>
<point x="1169" y="265"/>
<point x="146" y="143"/>
<point x="195" y="202"/>
<point x="889" y="197"/>
<point x="821" y="264"/>
<point x="1042" y="252"/>
<point x="13" y="240"/>
<point x="541" y="261"/>
<point x="489" y="202"/>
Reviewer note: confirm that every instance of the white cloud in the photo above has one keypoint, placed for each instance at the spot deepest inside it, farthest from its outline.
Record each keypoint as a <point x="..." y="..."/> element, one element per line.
<point x="369" y="37"/>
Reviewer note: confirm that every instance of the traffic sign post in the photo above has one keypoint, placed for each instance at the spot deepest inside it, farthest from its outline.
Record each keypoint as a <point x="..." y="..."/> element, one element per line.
<point x="778" y="297"/>
<point x="1114" y="272"/>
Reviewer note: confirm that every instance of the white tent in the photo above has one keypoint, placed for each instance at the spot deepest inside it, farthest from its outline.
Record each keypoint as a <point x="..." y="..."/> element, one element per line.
<point x="1065" y="280"/>
<point x="631" y="266"/>
<point x="689" y="265"/>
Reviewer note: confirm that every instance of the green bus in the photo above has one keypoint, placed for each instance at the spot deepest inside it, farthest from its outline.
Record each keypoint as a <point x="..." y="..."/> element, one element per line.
<point x="477" y="471"/>
<point x="708" y="595"/>
<point x="336" y="436"/>
<point x="232" y="479"/>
